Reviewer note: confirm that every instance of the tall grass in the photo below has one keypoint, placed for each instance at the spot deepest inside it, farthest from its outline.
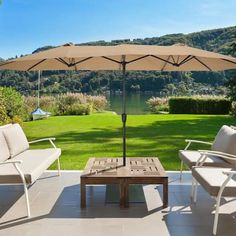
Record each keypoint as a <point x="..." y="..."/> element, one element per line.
<point x="67" y="104"/>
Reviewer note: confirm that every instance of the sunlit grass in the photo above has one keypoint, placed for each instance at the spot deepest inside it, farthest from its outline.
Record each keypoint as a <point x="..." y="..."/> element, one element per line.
<point x="99" y="135"/>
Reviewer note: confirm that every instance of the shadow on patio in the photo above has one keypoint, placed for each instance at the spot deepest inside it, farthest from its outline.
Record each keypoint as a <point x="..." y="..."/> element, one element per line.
<point x="55" y="203"/>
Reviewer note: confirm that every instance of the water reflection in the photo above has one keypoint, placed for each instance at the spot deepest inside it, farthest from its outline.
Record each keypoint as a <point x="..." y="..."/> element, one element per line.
<point x="135" y="103"/>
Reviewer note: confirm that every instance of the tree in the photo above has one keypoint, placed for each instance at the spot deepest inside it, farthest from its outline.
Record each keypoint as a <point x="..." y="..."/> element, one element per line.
<point x="231" y="82"/>
<point x="233" y="45"/>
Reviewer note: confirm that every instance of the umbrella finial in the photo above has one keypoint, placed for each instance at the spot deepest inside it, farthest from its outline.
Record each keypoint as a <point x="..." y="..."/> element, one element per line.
<point x="68" y="44"/>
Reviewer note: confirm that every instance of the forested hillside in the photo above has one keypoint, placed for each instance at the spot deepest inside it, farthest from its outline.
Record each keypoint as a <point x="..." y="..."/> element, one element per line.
<point x="54" y="82"/>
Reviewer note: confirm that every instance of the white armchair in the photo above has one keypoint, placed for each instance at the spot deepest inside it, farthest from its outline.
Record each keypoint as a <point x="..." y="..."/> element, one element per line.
<point x="224" y="144"/>
<point x="218" y="182"/>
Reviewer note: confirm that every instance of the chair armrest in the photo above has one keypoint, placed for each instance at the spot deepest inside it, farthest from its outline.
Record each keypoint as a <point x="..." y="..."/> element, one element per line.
<point x="15" y="164"/>
<point x="11" y="162"/>
<point x="222" y="155"/>
<point x="190" y="141"/>
<point x="197" y="141"/>
<point x="230" y="172"/>
<point x="44" y="139"/>
<point x="41" y="140"/>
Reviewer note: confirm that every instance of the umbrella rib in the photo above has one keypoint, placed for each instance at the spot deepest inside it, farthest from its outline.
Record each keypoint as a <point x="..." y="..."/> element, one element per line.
<point x="6" y="63"/>
<point x="110" y="59"/>
<point x="137" y="59"/>
<point x="78" y="62"/>
<point x="165" y="63"/>
<point x="72" y="64"/>
<point x="202" y="63"/>
<point x="178" y="59"/>
<point x="173" y="59"/>
<point x="159" y="58"/>
<point x="62" y="61"/>
<point x="228" y="61"/>
<point x="186" y="59"/>
<point x="37" y="64"/>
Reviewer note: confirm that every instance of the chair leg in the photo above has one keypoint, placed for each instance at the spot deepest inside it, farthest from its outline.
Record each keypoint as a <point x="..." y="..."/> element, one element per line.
<point x="195" y="193"/>
<point x="27" y="199"/>
<point x="181" y="170"/>
<point x="25" y="189"/>
<point x="216" y="215"/>
<point x="194" y="190"/>
<point x="58" y="166"/>
<point x="218" y="203"/>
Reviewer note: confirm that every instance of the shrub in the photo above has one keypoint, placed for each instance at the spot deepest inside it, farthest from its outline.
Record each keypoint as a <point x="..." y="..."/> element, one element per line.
<point x="47" y="103"/>
<point x="68" y="103"/>
<point x="98" y="103"/>
<point x="157" y="104"/>
<point x="15" y="108"/>
<point x="16" y="120"/>
<point x="4" y="119"/>
<point x="233" y="109"/>
<point x="12" y="105"/>
<point x="199" y="105"/>
<point x="78" y="109"/>
<point x="65" y="101"/>
<point x="13" y="102"/>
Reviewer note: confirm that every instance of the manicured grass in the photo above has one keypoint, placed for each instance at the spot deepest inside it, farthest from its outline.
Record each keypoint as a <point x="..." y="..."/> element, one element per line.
<point x="99" y="135"/>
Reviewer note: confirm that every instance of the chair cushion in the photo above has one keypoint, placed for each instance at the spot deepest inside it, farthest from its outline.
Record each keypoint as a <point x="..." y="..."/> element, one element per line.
<point x="5" y="126"/>
<point x="16" y="139"/>
<point x="212" y="179"/>
<point x="4" y="150"/>
<point x="190" y="158"/>
<point x="34" y="163"/>
<point x="225" y="141"/>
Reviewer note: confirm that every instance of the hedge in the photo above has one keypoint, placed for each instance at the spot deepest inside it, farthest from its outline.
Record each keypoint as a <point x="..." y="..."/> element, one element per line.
<point x="199" y="105"/>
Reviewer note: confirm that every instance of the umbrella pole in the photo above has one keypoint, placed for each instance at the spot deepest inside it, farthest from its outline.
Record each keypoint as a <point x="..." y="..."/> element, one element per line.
<point x="124" y="115"/>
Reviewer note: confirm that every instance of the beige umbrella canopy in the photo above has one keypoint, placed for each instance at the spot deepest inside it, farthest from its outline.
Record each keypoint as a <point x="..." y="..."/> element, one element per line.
<point x="177" y="57"/>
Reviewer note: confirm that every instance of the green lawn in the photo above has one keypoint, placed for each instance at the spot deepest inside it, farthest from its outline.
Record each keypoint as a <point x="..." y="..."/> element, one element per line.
<point x="99" y="135"/>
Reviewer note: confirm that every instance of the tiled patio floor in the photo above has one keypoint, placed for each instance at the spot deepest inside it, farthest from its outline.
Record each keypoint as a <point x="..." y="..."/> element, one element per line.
<point x="55" y="206"/>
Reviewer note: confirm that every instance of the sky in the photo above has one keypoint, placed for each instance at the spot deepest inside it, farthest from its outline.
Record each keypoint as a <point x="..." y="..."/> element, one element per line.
<point x="26" y="25"/>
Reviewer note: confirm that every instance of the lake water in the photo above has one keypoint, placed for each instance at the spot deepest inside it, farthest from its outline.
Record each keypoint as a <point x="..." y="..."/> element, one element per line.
<point x="135" y="103"/>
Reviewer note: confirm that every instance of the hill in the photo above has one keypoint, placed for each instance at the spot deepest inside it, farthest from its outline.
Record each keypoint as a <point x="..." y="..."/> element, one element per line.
<point x="217" y="40"/>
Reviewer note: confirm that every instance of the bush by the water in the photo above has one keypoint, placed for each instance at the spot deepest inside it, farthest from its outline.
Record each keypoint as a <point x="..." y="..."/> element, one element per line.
<point x="157" y="104"/>
<point x="68" y="104"/>
<point x="78" y="109"/>
<point x="47" y="103"/>
<point x="16" y="108"/>
<point x="98" y="103"/>
<point x="199" y="105"/>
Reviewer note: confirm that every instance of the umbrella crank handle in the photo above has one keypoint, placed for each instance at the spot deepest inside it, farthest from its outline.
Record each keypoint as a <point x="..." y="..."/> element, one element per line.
<point x="124" y="117"/>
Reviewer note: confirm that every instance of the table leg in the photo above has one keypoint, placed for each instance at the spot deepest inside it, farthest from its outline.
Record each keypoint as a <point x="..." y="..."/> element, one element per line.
<point x="165" y="193"/>
<point x="82" y="194"/>
<point x="122" y="193"/>
<point x="126" y="194"/>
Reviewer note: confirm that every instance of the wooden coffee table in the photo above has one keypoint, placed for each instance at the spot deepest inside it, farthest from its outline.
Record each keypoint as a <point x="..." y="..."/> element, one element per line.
<point x="138" y="170"/>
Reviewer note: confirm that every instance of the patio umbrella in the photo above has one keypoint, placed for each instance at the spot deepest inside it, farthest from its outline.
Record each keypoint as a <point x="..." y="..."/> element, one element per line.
<point x="177" y="57"/>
